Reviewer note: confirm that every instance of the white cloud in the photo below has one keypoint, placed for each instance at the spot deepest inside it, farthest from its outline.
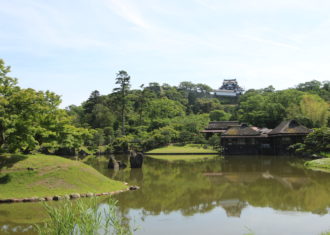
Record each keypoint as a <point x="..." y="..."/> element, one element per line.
<point x="128" y="11"/>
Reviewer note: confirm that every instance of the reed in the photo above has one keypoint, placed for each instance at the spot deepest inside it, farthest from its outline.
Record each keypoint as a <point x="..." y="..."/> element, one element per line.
<point x="84" y="217"/>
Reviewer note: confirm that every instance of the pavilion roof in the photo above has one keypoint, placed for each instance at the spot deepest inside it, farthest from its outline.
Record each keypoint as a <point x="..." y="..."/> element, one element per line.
<point x="290" y="127"/>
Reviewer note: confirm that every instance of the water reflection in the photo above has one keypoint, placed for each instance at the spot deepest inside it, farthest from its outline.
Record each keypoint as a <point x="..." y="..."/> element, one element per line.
<point x="171" y="191"/>
<point x="231" y="183"/>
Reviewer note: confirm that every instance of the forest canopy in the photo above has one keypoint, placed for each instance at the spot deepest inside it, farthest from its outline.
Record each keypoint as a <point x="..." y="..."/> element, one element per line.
<point x="151" y="116"/>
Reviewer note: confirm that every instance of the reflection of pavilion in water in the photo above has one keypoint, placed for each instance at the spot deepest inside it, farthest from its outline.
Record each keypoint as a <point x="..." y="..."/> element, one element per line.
<point x="251" y="178"/>
<point x="233" y="207"/>
<point x="232" y="183"/>
<point x="251" y="171"/>
<point x="289" y="182"/>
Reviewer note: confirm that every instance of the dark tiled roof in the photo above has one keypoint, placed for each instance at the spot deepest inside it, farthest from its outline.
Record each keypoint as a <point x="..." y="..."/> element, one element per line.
<point x="289" y="127"/>
<point x="221" y="125"/>
<point x="213" y="131"/>
<point x="242" y="130"/>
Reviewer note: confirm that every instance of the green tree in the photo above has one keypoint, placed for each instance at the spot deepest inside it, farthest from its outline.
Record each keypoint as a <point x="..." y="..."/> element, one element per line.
<point x="206" y="105"/>
<point x="219" y="115"/>
<point x="123" y="80"/>
<point x="312" y="111"/>
<point x="165" y="108"/>
<point x="7" y="88"/>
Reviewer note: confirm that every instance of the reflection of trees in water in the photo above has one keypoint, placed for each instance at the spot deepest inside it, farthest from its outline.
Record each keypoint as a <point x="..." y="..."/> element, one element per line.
<point x="268" y="182"/>
<point x="233" y="207"/>
<point x="136" y="175"/>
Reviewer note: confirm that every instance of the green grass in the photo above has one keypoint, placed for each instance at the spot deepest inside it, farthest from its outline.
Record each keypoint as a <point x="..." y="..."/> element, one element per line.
<point x="52" y="175"/>
<point x="188" y="158"/>
<point x="84" y="217"/>
<point x="325" y="154"/>
<point x="325" y="233"/>
<point x="319" y="164"/>
<point x="189" y="148"/>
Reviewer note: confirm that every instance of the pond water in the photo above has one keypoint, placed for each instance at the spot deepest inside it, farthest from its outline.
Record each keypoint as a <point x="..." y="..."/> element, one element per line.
<point x="231" y="195"/>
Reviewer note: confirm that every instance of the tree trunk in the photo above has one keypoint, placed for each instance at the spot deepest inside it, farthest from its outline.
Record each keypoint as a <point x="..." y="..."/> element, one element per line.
<point x="123" y="121"/>
<point x="2" y="136"/>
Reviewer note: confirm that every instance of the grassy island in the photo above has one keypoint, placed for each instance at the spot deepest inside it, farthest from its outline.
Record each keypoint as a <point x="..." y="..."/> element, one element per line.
<point x="189" y="152"/>
<point x="187" y="158"/>
<point x="319" y="164"/>
<point x="46" y="175"/>
<point x="185" y="149"/>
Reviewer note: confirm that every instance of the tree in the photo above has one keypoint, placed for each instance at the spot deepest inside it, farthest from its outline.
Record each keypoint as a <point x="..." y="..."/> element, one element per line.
<point x="311" y="111"/>
<point x="7" y="88"/>
<point x="165" y="108"/>
<point x="261" y="110"/>
<point x="123" y="80"/>
<point x="143" y="98"/>
<point x="314" y="86"/>
<point x="206" y="105"/>
<point x="318" y="141"/>
<point x="219" y="115"/>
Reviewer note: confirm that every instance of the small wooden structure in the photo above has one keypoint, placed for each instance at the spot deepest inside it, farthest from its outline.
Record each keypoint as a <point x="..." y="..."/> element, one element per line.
<point x="243" y="139"/>
<point x="285" y="134"/>
<point x="218" y="127"/>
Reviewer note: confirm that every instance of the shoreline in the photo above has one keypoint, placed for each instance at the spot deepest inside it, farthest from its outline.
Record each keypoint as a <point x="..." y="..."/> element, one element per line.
<point x="322" y="164"/>
<point x="67" y="196"/>
<point x="181" y="154"/>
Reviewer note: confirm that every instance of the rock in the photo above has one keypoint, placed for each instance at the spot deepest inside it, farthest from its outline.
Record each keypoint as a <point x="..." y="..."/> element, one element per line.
<point x="48" y="198"/>
<point x="83" y="195"/>
<point x="134" y="187"/>
<point x="82" y="153"/>
<point x="114" y="164"/>
<point x="89" y="194"/>
<point x="30" y="169"/>
<point x="32" y="199"/>
<point x="57" y="198"/>
<point x="17" y="200"/>
<point x="74" y="195"/>
<point x="98" y="194"/>
<point x="41" y="199"/>
<point x="121" y="165"/>
<point x="136" y="159"/>
<point x="66" y="197"/>
<point x="6" y="200"/>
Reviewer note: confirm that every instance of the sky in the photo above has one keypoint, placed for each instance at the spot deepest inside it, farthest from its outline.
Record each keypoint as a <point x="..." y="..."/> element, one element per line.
<point x="77" y="46"/>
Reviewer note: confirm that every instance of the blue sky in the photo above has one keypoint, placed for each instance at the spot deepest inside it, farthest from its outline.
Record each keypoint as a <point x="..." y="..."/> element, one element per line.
<point x="77" y="46"/>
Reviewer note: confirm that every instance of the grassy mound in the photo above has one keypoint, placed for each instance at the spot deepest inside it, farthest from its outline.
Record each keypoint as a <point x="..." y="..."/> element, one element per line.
<point x="319" y="164"/>
<point x="44" y="175"/>
<point x="189" y="148"/>
<point x="187" y="158"/>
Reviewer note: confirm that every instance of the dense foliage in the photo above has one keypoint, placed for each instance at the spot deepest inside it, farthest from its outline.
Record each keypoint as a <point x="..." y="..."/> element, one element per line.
<point x="152" y="116"/>
<point x="317" y="142"/>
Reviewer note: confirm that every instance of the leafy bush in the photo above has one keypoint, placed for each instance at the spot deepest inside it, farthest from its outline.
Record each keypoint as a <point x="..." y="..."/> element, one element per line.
<point x="317" y="142"/>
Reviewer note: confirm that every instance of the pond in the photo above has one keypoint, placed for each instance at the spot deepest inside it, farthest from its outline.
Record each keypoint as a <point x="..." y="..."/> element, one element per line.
<point x="230" y="195"/>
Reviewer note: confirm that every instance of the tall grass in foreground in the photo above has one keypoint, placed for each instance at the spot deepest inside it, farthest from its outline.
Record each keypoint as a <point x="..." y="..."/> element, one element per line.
<point x="84" y="217"/>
